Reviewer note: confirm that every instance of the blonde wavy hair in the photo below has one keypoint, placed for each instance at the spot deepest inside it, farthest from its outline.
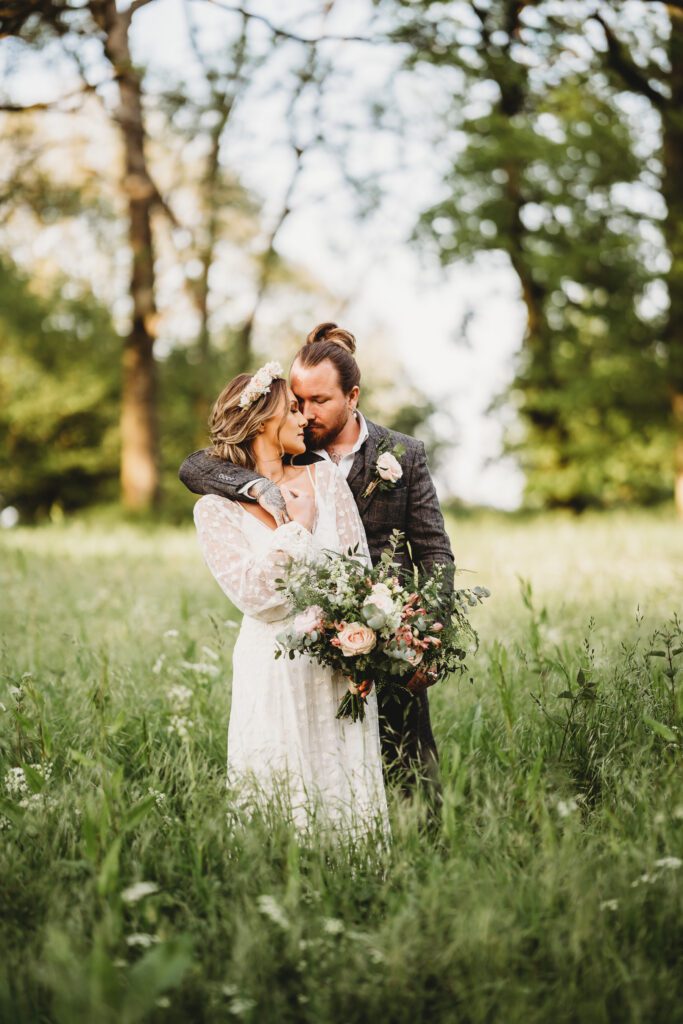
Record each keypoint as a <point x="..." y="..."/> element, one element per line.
<point x="234" y="429"/>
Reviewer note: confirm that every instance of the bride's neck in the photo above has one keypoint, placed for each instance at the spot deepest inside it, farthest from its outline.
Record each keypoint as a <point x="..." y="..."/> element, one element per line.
<point x="268" y="459"/>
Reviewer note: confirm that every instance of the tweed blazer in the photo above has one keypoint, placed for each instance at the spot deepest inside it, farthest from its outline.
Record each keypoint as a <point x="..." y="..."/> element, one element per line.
<point x="411" y="505"/>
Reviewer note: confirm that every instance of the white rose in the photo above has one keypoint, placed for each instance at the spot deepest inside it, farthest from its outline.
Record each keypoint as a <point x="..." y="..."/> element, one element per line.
<point x="380" y="597"/>
<point x="379" y="608"/>
<point x="389" y="468"/>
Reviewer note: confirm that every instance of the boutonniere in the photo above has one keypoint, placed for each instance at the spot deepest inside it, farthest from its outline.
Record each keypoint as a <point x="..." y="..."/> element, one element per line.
<point x="388" y="470"/>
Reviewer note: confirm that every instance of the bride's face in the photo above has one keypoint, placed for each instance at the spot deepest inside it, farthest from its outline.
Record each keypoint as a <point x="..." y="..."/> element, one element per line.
<point x="288" y="436"/>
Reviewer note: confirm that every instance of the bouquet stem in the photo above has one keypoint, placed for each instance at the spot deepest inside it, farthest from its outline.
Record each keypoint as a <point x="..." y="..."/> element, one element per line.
<point x="352" y="706"/>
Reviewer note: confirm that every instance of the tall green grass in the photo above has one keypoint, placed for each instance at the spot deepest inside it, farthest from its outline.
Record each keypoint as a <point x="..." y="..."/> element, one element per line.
<point x="552" y="890"/>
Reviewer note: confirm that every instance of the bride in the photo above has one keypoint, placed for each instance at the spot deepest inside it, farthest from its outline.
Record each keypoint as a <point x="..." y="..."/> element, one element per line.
<point x="283" y="733"/>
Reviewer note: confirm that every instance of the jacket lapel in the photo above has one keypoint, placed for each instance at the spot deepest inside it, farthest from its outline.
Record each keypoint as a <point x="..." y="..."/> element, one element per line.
<point x="362" y="470"/>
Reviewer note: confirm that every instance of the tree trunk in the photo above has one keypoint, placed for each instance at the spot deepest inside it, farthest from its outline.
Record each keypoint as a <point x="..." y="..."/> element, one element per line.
<point x="139" y="432"/>
<point x="512" y="80"/>
<point x="672" y="188"/>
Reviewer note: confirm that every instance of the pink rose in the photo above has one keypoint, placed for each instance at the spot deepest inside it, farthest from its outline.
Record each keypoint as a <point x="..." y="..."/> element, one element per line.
<point x="414" y="658"/>
<point x="389" y="468"/>
<point x="355" y="638"/>
<point x="309" y="620"/>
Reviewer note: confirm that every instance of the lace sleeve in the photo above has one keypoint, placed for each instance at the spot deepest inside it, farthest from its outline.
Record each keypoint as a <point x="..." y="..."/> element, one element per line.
<point x="248" y="580"/>
<point x="350" y="530"/>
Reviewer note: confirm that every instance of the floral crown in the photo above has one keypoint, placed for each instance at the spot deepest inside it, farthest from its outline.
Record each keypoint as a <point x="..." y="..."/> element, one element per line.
<point x="260" y="384"/>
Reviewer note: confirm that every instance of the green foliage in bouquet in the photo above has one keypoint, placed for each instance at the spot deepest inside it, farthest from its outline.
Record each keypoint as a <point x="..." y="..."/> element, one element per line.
<point x="376" y="623"/>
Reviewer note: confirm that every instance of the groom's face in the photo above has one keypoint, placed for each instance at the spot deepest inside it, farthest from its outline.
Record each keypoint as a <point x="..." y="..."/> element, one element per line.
<point x="322" y="402"/>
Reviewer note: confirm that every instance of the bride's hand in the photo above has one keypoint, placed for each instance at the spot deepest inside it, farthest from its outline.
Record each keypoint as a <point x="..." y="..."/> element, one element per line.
<point x="300" y="507"/>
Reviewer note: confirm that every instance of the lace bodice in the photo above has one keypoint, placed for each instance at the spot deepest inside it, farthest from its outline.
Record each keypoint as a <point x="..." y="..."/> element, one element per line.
<point x="246" y="556"/>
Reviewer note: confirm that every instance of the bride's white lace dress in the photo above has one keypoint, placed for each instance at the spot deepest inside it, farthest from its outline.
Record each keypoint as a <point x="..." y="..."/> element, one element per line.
<point x="282" y="719"/>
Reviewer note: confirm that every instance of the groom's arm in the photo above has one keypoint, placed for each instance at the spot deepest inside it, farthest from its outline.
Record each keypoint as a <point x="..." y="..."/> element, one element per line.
<point x="425" y="528"/>
<point x="429" y="542"/>
<point x="204" y="473"/>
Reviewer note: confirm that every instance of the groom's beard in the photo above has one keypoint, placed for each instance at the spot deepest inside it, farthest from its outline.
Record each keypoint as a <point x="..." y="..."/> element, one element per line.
<point x="317" y="437"/>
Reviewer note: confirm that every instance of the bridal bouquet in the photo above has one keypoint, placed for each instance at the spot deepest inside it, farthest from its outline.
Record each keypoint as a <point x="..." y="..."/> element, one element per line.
<point x="375" y="623"/>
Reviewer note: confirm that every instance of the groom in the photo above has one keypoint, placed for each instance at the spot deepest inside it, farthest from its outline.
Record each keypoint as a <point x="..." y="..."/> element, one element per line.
<point x="325" y="377"/>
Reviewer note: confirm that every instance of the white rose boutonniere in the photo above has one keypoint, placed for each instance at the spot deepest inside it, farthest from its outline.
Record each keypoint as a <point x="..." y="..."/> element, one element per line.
<point x="388" y="469"/>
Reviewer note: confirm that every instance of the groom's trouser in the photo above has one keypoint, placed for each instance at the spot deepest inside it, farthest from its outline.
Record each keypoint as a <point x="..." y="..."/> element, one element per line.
<point x="409" y="750"/>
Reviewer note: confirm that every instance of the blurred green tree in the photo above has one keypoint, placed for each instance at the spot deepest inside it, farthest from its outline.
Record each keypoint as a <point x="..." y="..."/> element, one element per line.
<point x="77" y="25"/>
<point x="542" y="164"/>
<point x="647" y="59"/>
<point x="59" y="397"/>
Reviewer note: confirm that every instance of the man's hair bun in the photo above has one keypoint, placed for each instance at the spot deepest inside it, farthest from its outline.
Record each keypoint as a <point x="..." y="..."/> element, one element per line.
<point x="331" y="333"/>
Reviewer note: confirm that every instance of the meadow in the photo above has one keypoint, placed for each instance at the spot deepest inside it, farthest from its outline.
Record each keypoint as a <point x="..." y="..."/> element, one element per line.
<point x="132" y="890"/>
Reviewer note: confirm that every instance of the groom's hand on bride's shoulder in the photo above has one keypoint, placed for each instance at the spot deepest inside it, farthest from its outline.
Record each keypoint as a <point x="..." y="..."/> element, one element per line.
<point x="270" y="497"/>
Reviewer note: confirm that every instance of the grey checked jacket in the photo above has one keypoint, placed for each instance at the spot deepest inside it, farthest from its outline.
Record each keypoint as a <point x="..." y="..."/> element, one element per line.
<point x="411" y="506"/>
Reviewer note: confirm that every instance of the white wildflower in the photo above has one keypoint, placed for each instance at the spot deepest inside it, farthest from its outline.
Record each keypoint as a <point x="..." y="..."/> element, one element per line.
<point x="138" y="891"/>
<point x="31" y="801"/>
<point x="179" y="696"/>
<point x="180" y="725"/>
<point x="270" y="908"/>
<point x="158" y="664"/>
<point x="141" y="939"/>
<point x="16" y="692"/>
<point x="609" y="905"/>
<point x="163" y="1002"/>
<point x="202" y="667"/>
<point x="645" y="879"/>
<point x="15" y="782"/>
<point x="209" y="653"/>
<point x="241" y="1006"/>
<point x="159" y="797"/>
<point x="566" y="807"/>
<point x="171" y="633"/>
<point x="333" y="926"/>
<point x="669" y="863"/>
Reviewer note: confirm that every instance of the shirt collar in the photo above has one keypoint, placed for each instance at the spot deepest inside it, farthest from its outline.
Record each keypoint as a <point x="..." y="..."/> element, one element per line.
<point x="362" y="437"/>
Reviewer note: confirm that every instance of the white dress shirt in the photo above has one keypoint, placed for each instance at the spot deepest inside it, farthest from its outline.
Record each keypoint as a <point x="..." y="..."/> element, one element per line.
<point x="346" y="461"/>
